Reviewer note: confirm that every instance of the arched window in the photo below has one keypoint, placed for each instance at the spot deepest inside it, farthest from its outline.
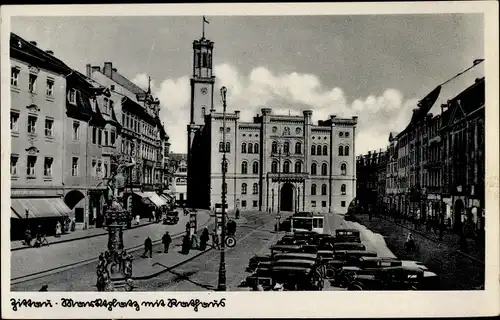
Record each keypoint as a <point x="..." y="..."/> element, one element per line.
<point x="209" y="60"/>
<point x="323" y="190"/>
<point x="243" y="148"/>
<point x="325" y="150"/>
<point x="318" y="150"/>
<point x="313" y="150"/>
<point x="204" y="63"/>
<point x="286" y="167"/>
<point x="314" y="169"/>
<point x="286" y="148"/>
<point x="274" y="147"/>
<point x="313" y="189"/>
<point x="250" y="148"/>
<point x="197" y="59"/>
<point x="228" y="146"/>
<point x="346" y="151"/>
<point x="255" y="167"/>
<point x="203" y="110"/>
<point x="274" y="167"/>
<point x="341" y="150"/>
<point x="324" y="169"/>
<point x="342" y="189"/>
<point x="298" y="148"/>
<point x="243" y="188"/>
<point x="298" y="167"/>
<point x="256" y="148"/>
<point x="221" y="146"/>
<point x="343" y="169"/>
<point x="255" y="189"/>
<point x="224" y="166"/>
<point x="244" y="167"/>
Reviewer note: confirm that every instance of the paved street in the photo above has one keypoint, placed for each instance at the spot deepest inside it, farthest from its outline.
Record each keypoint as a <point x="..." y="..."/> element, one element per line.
<point x="456" y="271"/>
<point x="25" y="263"/>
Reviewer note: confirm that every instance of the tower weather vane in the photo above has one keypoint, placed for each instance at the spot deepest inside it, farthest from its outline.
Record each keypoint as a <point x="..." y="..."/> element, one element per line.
<point x="203" y="27"/>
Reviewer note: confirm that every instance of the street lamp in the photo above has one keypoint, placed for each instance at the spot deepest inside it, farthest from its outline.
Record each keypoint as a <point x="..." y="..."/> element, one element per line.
<point x="222" y="267"/>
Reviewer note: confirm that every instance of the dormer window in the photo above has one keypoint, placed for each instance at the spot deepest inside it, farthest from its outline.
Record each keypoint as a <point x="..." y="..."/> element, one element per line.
<point x="72" y="96"/>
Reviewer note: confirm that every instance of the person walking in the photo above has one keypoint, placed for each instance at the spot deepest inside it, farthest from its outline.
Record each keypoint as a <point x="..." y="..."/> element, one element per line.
<point x="58" y="229"/>
<point x="148" y="247"/>
<point x="186" y="244"/>
<point x="167" y="240"/>
<point x="215" y="240"/>
<point x="27" y="236"/>
<point x="137" y="219"/>
<point x="204" y="239"/>
<point x="152" y="215"/>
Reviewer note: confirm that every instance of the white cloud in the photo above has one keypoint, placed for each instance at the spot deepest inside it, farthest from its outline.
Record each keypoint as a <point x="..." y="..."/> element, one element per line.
<point x="291" y="93"/>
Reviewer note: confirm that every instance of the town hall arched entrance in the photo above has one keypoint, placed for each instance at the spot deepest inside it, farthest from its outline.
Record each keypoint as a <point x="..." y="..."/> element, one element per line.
<point x="287" y="197"/>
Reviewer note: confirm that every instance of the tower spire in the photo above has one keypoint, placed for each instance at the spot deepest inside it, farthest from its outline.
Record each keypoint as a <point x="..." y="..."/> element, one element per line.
<point x="149" y="85"/>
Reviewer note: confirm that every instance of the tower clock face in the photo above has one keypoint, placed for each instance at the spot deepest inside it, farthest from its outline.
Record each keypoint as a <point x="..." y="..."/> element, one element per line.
<point x="204" y="90"/>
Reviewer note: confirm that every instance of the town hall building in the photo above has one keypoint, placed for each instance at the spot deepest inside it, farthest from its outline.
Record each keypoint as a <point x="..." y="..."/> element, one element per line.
<point x="275" y="163"/>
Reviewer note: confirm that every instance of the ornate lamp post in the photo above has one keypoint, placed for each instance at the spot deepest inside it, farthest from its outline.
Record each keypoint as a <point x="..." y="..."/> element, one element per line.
<point x="222" y="267"/>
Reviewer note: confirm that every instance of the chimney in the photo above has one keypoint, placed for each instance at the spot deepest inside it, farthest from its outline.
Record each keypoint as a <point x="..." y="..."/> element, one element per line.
<point x="88" y="68"/>
<point x="237" y="113"/>
<point x="108" y="69"/>
<point x="114" y="69"/>
<point x="50" y="52"/>
<point x="33" y="43"/>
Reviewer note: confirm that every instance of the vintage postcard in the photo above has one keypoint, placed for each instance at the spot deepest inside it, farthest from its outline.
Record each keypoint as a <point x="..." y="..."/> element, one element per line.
<point x="179" y="160"/>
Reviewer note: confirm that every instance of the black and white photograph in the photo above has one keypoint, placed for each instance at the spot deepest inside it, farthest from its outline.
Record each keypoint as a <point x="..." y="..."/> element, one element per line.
<point x="218" y="152"/>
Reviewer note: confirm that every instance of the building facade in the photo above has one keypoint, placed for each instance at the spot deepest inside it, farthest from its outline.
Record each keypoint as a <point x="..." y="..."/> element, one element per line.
<point x="391" y="174"/>
<point x="275" y="163"/>
<point x="142" y="138"/>
<point x="37" y="111"/>
<point x="370" y="185"/>
<point x="178" y="179"/>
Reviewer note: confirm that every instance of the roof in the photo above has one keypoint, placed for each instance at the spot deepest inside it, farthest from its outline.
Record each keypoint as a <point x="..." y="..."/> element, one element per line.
<point x="26" y="51"/>
<point x="424" y="106"/>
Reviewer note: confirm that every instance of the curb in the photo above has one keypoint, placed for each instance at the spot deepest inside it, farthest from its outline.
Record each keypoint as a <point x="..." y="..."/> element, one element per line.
<point x="14" y="281"/>
<point x="84" y="237"/>
<point x="434" y="240"/>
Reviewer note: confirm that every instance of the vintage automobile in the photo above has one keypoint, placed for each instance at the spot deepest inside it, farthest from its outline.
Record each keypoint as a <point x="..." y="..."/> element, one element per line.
<point x="324" y="241"/>
<point x="338" y="246"/>
<point x="365" y="266"/>
<point x="295" y="255"/>
<point x="261" y="276"/>
<point x="172" y="217"/>
<point x="307" y="236"/>
<point x="392" y="278"/>
<point x="309" y="248"/>
<point x="294" y="263"/>
<point x="291" y="240"/>
<point x="296" y="278"/>
<point x="332" y="267"/>
<point x="347" y="235"/>
<point x="255" y="260"/>
<point x="351" y="257"/>
<point x="281" y="248"/>
<point x="326" y="254"/>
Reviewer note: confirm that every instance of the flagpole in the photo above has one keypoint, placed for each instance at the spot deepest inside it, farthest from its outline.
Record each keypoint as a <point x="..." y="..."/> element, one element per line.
<point x="203" y="27"/>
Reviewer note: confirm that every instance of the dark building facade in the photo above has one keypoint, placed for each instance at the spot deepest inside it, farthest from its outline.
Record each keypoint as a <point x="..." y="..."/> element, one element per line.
<point x="371" y="170"/>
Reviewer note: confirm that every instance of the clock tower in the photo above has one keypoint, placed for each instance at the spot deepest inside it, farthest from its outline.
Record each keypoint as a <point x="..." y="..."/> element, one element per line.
<point x="202" y="81"/>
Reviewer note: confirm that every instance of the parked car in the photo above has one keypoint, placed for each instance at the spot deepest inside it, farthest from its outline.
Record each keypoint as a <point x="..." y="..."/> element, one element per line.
<point x="279" y="248"/>
<point x="365" y="266"/>
<point x="347" y="235"/>
<point x="296" y="255"/>
<point x="298" y="278"/>
<point x="261" y="276"/>
<point x="172" y="217"/>
<point x="351" y="257"/>
<point x="338" y="246"/>
<point x="255" y="260"/>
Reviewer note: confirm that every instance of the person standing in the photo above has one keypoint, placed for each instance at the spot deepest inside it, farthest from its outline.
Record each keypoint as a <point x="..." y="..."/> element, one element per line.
<point x="27" y="236"/>
<point x="204" y="239"/>
<point x="186" y="243"/>
<point x="58" y="229"/>
<point x="152" y="215"/>
<point x="166" y="241"/>
<point x="137" y="219"/>
<point x="215" y="240"/>
<point x="148" y="247"/>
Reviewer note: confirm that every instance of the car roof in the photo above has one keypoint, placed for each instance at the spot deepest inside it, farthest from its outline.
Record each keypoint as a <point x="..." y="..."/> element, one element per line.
<point x="298" y="254"/>
<point x="296" y="260"/>
<point x="348" y="230"/>
<point x="357" y="244"/>
<point x="291" y="268"/>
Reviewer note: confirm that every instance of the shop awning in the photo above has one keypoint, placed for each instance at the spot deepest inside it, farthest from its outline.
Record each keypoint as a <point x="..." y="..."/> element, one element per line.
<point x="40" y="207"/>
<point x="144" y="198"/>
<point x="155" y="198"/>
<point x="13" y="214"/>
<point x="166" y="198"/>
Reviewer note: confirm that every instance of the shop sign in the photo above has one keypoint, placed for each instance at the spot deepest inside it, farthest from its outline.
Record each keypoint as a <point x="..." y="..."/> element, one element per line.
<point x="34" y="193"/>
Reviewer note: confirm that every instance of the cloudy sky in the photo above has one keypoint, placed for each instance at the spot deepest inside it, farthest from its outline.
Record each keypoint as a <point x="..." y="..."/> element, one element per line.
<point x="373" y="66"/>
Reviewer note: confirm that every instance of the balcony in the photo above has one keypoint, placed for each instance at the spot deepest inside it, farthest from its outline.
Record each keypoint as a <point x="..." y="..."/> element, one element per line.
<point x="287" y="177"/>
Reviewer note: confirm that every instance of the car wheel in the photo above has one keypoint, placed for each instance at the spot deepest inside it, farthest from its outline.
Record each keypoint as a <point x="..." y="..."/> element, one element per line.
<point x="330" y="273"/>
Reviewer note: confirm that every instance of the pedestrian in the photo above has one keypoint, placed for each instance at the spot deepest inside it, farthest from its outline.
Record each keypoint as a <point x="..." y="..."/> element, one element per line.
<point x="27" y="236"/>
<point x="73" y="225"/>
<point x="166" y="241"/>
<point x="123" y="259"/>
<point x="137" y="219"/>
<point x="186" y="244"/>
<point x="188" y="227"/>
<point x="148" y="247"/>
<point x="215" y="240"/>
<point x="194" y="241"/>
<point x="58" y="229"/>
<point x="44" y="288"/>
<point x="204" y="239"/>
<point x="237" y="215"/>
<point x="152" y="215"/>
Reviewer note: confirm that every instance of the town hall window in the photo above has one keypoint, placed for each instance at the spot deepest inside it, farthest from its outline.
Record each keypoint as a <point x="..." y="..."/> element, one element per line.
<point x="243" y="188"/>
<point x="13" y="164"/>
<point x="243" y="148"/>
<point x="286" y="148"/>
<point x="324" y="169"/>
<point x="32" y="82"/>
<point x="314" y="169"/>
<point x="323" y="190"/>
<point x="298" y="148"/>
<point x="313" y="190"/>
<point x="49" y="125"/>
<point x="244" y="167"/>
<point x="256" y="148"/>
<point x="255" y="167"/>
<point x="346" y="150"/>
<point x="228" y="146"/>
<point x="221" y="146"/>
<point x="343" y="169"/>
<point x="286" y="167"/>
<point x="47" y="166"/>
<point x="313" y="150"/>
<point x="343" y="189"/>
<point x="250" y="148"/>
<point x="318" y="150"/>
<point x="14" y="121"/>
<point x="274" y="167"/>
<point x="30" y="168"/>
<point x="255" y="189"/>
<point x="32" y="124"/>
<point x="325" y="150"/>
<point x="298" y="167"/>
<point x="14" y="77"/>
<point x="274" y="147"/>
<point x="341" y="150"/>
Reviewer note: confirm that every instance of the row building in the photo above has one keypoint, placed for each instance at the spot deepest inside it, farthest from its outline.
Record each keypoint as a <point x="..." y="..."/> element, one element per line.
<point x="68" y="133"/>
<point x="274" y="163"/>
